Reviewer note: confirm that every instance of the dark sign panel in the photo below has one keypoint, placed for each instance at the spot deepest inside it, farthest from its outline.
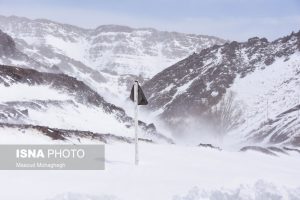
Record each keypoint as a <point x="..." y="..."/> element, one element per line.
<point x="141" y="97"/>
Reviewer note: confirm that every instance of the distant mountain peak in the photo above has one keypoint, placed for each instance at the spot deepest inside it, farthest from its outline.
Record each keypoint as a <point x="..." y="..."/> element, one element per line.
<point x="114" y="28"/>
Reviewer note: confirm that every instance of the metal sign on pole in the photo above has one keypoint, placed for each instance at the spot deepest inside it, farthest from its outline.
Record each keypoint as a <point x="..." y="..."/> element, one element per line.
<point x="138" y="97"/>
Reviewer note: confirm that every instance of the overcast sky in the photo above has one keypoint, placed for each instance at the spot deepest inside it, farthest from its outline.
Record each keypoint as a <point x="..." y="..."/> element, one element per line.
<point x="229" y="19"/>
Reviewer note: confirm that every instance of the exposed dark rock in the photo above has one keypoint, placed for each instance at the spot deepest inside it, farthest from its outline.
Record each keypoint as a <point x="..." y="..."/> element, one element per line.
<point x="209" y="146"/>
<point x="278" y="150"/>
<point x="258" y="149"/>
<point x="291" y="149"/>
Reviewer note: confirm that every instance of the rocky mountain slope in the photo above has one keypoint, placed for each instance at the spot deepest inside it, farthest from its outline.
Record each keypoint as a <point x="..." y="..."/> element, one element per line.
<point x="97" y="56"/>
<point x="117" y="49"/>
<point x="60" y="102"/>
<point x="262" y="75"/>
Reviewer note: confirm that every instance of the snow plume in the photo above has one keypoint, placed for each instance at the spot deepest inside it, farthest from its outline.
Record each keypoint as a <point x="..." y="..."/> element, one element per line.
<point x="194" y="130"/>
<point x="212" y="125"/>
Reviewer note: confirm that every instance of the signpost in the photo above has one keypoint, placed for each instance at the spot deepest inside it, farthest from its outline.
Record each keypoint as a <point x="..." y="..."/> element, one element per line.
<point x="136" y="122"/>
<point x="138" y="97"/>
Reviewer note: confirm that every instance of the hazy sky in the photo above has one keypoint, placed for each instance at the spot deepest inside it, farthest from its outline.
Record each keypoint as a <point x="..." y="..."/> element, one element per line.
<point x="229" y="19"/>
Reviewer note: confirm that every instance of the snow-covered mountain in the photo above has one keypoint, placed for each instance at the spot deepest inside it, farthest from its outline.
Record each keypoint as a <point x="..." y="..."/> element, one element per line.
<point x="62" y="103"/>
<point x="263" y="76"/>
<point x="96" y="56"/>
<point x="113" y="48"/>
<point x="110" y="57"/>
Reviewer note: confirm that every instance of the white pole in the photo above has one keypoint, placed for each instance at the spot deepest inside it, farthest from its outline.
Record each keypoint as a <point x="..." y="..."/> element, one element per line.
<point x="267" y="109"/>
<point x="298" y="105"/>
<point x="136" y="121"/>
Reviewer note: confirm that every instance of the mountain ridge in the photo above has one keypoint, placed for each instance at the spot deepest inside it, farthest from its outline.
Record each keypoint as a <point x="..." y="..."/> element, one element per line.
<point x="101" y="58"/>
<point x="193" y="86"/>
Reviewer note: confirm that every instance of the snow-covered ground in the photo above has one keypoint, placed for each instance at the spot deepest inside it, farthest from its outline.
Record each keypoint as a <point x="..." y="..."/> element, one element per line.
<point x="24" y="92"/>
<point x="165" y="172"/>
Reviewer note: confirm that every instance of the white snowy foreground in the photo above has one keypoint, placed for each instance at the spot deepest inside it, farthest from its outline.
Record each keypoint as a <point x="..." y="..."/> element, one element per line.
<point x="166" y="172"/>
